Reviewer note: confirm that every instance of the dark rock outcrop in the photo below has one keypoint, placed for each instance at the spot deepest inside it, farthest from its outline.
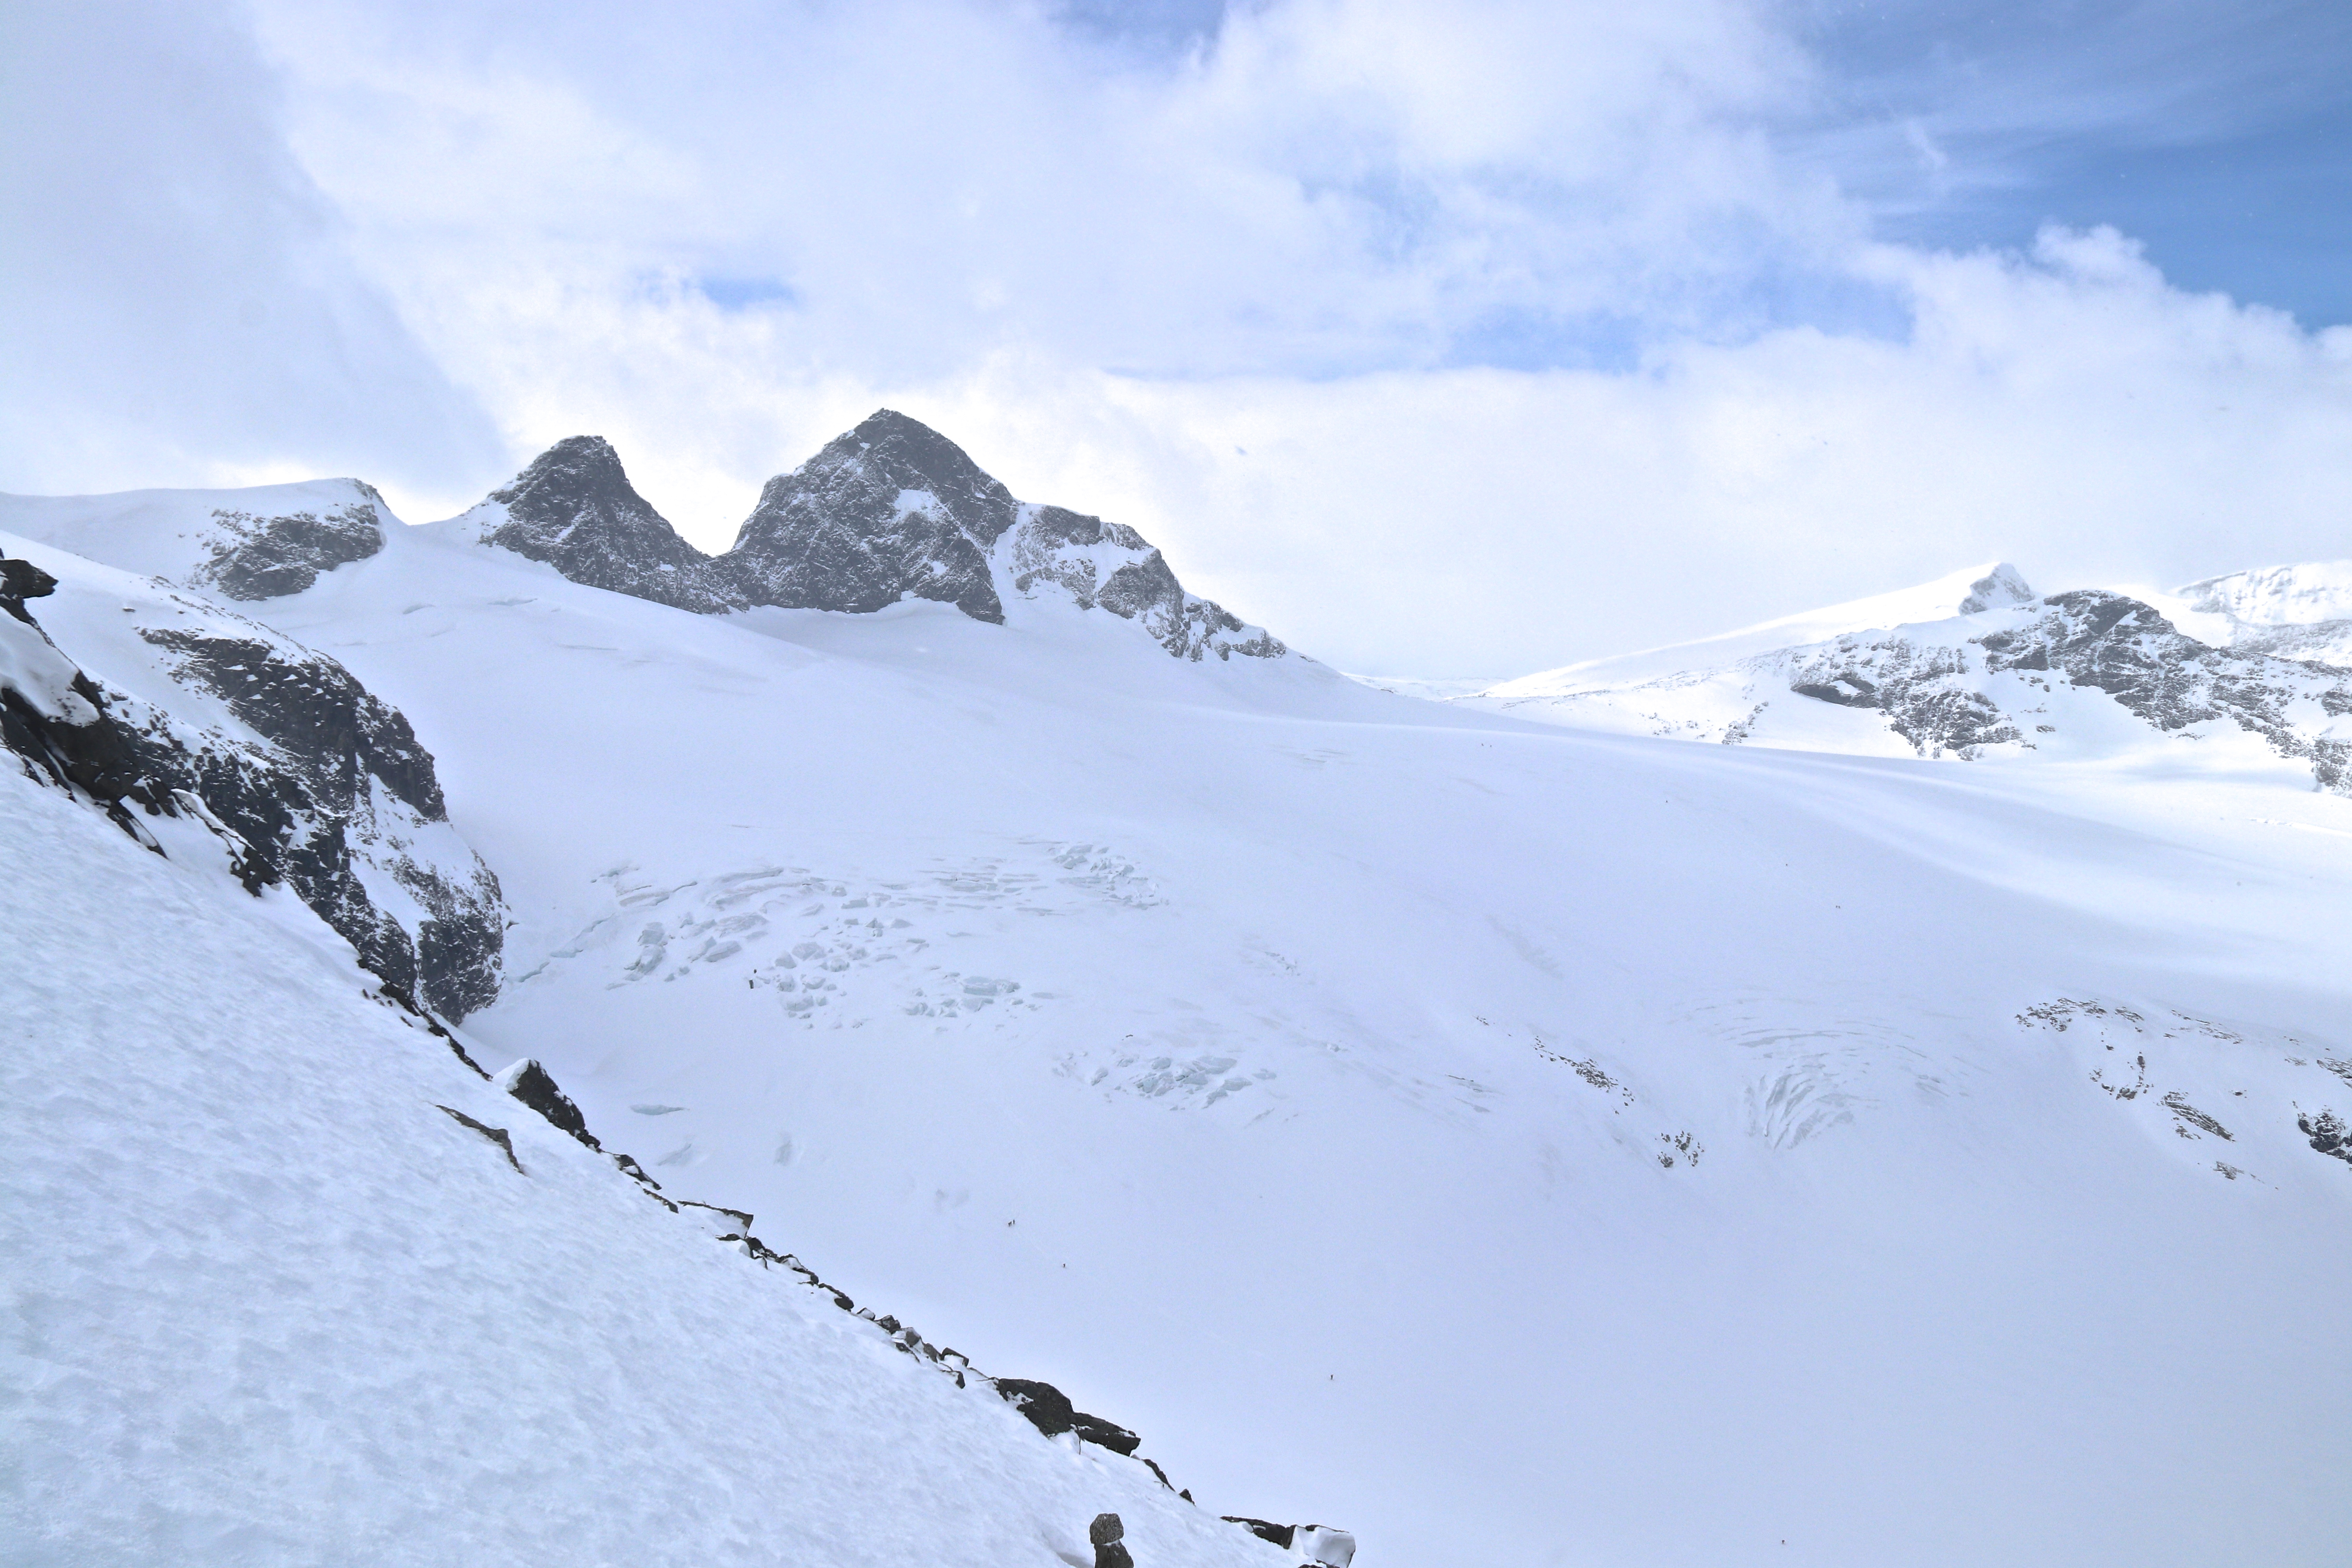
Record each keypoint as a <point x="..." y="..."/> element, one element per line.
<point x="535" y="1087"/>
<point x="1049" y="1410"/>
<point x="575" y="509"/>
<point x="1106" y="1535"/>
<point x="891" y="510"/>
<point x="2128" y="650"/>
<point x="1315" y="1543"/>
<point x="328" y="792"/>
<point x="497" y="1135"/>
<point x="334" y="790"/>
<point x="258" y="557"/>
<point x="2327" y="1133"/>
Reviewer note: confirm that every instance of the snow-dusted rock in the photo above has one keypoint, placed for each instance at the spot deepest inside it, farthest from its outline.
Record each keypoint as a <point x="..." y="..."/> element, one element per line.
<point x="575" y="509"/>
<point x="889" y="511"/>
<point x="892" y="511"/>
<point x="187" y="711"/>
<point x="1108" y="565"/>
<point x="261" y="543"/>
<point x="1974" y="684"/>
<point x="2302" y="611"/>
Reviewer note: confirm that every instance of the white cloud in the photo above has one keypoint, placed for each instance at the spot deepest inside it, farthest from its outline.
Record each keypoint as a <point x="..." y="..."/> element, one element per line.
<point x="1254" y="296"/>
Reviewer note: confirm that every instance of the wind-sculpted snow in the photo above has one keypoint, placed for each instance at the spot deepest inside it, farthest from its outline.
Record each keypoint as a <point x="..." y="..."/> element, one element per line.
<point x="298" y="772"/>
<point x="2288" y="612"/>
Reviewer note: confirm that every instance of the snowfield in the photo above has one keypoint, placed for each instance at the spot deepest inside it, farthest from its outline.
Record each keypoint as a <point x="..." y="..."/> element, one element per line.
<point x="1516" y="1143"/>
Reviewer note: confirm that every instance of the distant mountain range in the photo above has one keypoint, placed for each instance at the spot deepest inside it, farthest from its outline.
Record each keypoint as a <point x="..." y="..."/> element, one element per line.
<point x="1975" y="666"/>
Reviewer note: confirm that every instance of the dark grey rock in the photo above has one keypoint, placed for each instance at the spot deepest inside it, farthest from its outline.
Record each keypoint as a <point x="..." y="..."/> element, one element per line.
<point x="19" y="581"/>
<point x="1913" y="685"/>
<point x="308" y="804"/>
<point x="1264" y="1530"/>
<point x="1049" y="1410"/>
<point x="1105" y="1534"/>
<point x="575" y="509"/>
<point x="496" y="1135"/>
<point x="2327" y="1134"/>
<point x="257" y="557"/>
<point x="335" y="780"/>
<point x="891" y="510"/>
<point x="2128" y="651"/>
<point x="535" y="1087"/>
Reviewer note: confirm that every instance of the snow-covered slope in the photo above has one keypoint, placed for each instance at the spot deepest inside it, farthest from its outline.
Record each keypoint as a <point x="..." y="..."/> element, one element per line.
<point x="286" y="1284"/>
<point x="1519" y="1144"/>
<point x="1973" y="589"/>
<point x="2291" y="612"/>
<point x="245" y="545"/>
<point x="2088" y="675"/>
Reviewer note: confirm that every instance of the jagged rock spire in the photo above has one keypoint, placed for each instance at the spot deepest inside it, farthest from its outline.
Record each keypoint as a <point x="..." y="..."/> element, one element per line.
<point x="575" y="509"/>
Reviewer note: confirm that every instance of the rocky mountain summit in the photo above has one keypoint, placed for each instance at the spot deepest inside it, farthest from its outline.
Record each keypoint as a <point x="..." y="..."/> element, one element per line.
<point x="575" y="509"/>
<point x="891" y="510"/>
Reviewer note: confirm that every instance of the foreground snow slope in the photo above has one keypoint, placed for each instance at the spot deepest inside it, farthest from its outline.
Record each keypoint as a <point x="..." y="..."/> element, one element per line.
<point x="268" y="1302"/>
<point x="1517" y="1145"/>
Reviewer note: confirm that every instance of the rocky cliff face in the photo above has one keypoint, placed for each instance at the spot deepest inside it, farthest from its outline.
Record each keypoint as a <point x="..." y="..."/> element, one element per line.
<point x="892" y="509"/>
<point x="890" y="512"/>
<point x="305" y="778"/>
<point x="575" y="509"/>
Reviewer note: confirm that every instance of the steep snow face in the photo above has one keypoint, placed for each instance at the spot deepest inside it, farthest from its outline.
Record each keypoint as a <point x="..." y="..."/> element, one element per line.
<point x="575" y="509"/>
<point x="177" y="708"/>
<point x="1509" y="1143"/>
<point x="1969" y="591"/>
<point x="286" y="1284"/>
<point x="246" y="544"/>
<point x="2289" y="612"/>
<point x="892" y="509"/>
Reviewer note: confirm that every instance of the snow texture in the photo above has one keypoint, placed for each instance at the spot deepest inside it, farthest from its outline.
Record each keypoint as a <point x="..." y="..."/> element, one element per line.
<point x="1511" y="1141"/>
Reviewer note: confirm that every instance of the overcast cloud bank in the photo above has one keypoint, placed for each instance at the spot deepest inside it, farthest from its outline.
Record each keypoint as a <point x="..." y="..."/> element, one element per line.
<point x="1455" y="341"/>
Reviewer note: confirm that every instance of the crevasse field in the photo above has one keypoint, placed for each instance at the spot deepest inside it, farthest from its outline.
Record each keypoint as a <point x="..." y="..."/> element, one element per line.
<point x="1516" y="1145"/>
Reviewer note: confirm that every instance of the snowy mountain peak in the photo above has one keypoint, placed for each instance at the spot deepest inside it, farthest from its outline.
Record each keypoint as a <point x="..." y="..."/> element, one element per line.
<point x="1972" y="590"/>
<point x="891" y="508"/>
<point x="2001" y="588"/>
<point x="575" y="509"/>
<point x="2278" y="595"/>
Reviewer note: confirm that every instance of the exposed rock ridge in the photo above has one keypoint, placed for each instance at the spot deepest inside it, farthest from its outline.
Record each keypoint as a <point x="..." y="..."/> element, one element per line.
<point x="256" y="557"/>
<point x="891" y="510"/>
<point x="575" y="509"/>
<point x="333" y="796"/>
